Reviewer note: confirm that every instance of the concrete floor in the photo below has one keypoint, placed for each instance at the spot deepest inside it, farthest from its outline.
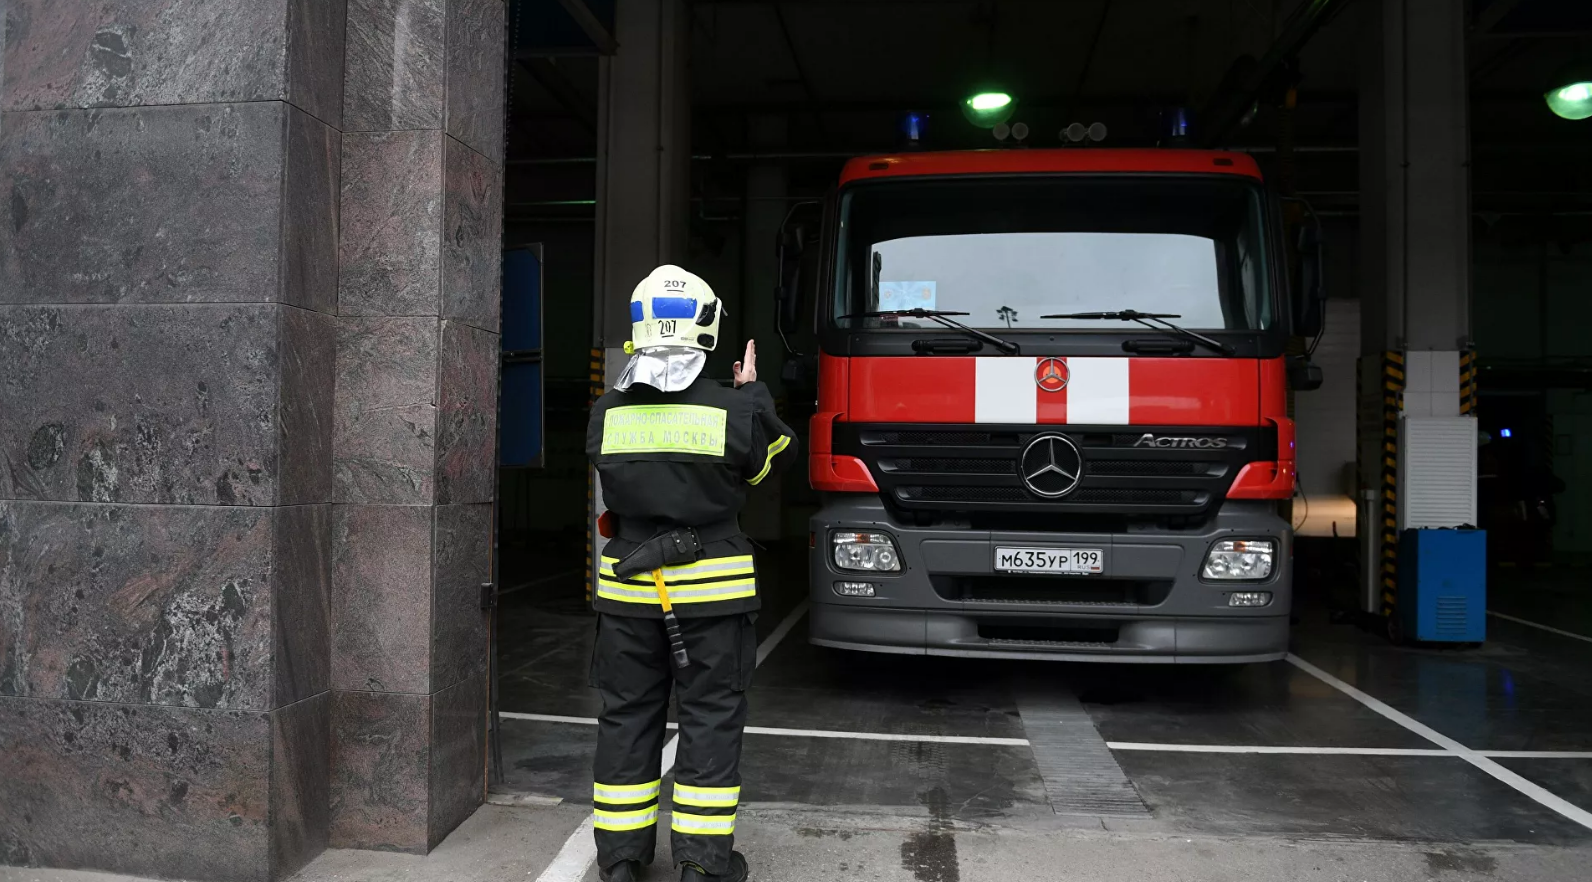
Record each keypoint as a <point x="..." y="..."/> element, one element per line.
<point x="1353" y="761"/>
<point x="503" y="844"/>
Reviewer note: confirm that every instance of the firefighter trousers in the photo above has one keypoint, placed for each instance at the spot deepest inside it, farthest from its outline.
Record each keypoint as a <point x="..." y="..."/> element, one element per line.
<point x="633" y="672"/>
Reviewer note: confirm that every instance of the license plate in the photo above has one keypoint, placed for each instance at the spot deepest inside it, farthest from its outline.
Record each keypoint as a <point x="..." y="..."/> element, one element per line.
<point x="1084" y="561"/>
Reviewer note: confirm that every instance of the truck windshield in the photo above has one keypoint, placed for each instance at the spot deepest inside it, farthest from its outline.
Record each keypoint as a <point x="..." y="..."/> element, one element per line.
<point x="1008" y="250"/>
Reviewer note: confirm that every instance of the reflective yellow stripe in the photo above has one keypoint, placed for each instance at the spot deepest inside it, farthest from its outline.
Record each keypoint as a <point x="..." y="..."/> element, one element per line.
<point x="730" y="589"/>
<point x="779" y="444"/>
<point x="712" y="797"/>
<point x="664" y="428"/>
<point x="733" y="565"/>
<point x="625" y="794"/>
<point x="632" y="820"/>
<point x="706" y="825"/>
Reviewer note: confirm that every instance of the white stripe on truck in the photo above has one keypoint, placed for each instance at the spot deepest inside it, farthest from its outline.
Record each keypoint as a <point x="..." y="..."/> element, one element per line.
<point x="1097" y="394"/>
<point x="1004" y="390"/>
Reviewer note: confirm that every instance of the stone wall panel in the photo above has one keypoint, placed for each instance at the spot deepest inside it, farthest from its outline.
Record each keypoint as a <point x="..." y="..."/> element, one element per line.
<point x="310" y="213"/>
<point x="100" y="206"/>
<point x="309" y="349"/>
<point x="301" y="760"/>
<point x="381" y="598"/>
<point x="149" y="404"/>
<point x="476" y="75"/>
<point x="394" y="66"/>
<point x="472" y="245"/>
<point x="392" y="224"/>
<point x="147" y="605"/>
<point x="301" y="592"/>
<point x="315" y="52"/>
<point x="147" y="791"/>
<point x="380" y="770"/>
<point x="129" y="53"/>
<point x="467" y="415"/>
<point x="458" y="755"/>
<point x="464" y="563"/>
<point x="384" y="435"/>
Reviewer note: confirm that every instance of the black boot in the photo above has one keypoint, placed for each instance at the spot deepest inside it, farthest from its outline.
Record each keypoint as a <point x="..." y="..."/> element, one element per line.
<point x="737" y="873"/>
<point x="624" y="871"/>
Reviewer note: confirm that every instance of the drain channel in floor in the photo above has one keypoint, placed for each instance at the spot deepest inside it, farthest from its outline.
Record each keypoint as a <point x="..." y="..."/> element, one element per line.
<point x="1080" y="774"/>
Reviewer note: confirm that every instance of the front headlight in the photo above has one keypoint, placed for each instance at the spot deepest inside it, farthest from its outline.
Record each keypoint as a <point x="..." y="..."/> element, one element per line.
<point x="1246" y="560"/>
<point x="868" y="552"/>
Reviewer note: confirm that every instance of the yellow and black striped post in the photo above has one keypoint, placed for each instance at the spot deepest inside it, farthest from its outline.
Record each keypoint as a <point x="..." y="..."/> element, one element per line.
<point x="1467" y="383"/>
<point x="595" y="392"/>
<point x="1392" y="404"/>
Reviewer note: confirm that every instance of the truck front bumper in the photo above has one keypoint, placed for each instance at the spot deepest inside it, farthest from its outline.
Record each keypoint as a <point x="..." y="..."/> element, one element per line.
<point x="1150" y="605"/>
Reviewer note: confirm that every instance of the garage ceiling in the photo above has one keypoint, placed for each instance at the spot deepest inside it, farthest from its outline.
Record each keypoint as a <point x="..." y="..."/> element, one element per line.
<point x="841" y="72"/>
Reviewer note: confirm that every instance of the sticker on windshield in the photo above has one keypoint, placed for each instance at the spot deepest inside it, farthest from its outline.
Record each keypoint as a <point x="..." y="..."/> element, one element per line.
<point x="905" y="295"/>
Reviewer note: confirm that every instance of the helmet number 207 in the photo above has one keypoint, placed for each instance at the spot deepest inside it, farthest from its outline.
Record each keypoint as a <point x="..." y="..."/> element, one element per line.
<point x="666" y="327"/>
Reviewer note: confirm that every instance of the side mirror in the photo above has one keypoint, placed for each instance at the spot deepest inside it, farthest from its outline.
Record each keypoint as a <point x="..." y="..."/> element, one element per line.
<point x="1303" y="374"/>
<point x="1309" y="288"/>
<point x="793" y="241"/>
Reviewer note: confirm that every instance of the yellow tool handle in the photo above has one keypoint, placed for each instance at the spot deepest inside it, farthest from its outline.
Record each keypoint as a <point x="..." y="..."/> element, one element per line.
<point x="663" y="593"/>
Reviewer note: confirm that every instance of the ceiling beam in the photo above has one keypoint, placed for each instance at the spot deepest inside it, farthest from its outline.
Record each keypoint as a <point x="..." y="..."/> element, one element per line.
<point x="801" y="73"/>
<point x="1089" y="56"/>
<point x="1491" y="14"/>
<point x="594" y="29"/>
<point x="550" y="78"/>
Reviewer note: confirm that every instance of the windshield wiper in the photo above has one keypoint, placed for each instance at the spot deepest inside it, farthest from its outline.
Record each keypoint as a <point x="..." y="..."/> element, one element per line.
<point x="1146" y="318"/>
<point x="940" y="316"/>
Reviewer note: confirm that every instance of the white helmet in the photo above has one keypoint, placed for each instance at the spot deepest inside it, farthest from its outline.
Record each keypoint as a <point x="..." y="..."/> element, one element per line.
<point x="672" y="307"/>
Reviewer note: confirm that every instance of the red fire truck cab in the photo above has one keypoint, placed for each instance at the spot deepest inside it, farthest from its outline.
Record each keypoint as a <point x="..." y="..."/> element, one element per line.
<point x="1052" y="408"/>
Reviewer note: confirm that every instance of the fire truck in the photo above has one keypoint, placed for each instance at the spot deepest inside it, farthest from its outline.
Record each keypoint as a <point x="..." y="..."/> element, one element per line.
<point x="1052" y="405"/>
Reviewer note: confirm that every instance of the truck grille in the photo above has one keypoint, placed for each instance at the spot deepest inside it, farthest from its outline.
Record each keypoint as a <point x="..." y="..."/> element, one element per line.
<point x="972" y="470"/>
<point x="1096" y="495"/>
<point x="1091" y="592"/>
<point x="951" y="466"/>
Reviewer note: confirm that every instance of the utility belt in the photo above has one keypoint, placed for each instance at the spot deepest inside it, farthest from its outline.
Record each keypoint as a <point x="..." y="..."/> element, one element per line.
<point x="658" y="545"/>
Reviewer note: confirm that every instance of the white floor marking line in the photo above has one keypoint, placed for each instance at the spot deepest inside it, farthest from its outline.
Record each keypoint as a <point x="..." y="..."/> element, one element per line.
<point x="548" y="718"/>
<point x="1146" y="746"/>
<point x="579" y="852"/>
<point x="1540" y="794"/>
<point x="1268" y="749"/>
<point x="780" y="631"/>
<point x="572" y="861"/>
<point x="1573" y="636"/>
<point x="670" y="748"/>
<point x="888" y="736"/>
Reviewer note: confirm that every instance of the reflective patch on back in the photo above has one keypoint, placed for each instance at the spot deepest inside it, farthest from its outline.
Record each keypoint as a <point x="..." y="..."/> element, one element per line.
<point x="664" y="428"/>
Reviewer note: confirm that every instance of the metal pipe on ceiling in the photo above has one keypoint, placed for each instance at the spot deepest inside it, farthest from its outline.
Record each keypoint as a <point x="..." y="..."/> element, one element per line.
<point x="1247" y="78"/>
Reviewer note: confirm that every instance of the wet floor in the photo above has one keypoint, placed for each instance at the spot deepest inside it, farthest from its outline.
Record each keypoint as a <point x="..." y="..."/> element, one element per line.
<point x="1261" y="750"/>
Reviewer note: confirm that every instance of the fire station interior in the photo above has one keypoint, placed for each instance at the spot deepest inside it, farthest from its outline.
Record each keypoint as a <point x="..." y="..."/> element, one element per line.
<point x="1367" y="752"/>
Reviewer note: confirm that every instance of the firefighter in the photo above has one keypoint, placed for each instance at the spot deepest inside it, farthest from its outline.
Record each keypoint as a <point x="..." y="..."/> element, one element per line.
<point x="676" y="592"/>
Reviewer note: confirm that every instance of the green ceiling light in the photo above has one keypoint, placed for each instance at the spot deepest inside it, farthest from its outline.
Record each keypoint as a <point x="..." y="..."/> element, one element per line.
<point x="985" y="102"/>
<point x="1573" y="101"/>
<point x="987" y="109"/>
<point x="1571" y="95"/>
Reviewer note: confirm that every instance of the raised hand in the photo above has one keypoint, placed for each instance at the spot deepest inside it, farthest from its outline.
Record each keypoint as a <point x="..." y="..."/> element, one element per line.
<point x="746" y="369"/>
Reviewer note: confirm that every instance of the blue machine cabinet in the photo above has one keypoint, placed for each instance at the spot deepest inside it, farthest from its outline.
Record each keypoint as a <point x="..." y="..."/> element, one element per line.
<point x="520" y="416"/>
<point x="1443" y="585"/>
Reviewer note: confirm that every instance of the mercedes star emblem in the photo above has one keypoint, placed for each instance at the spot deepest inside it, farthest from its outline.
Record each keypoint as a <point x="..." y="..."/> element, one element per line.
<point x="1051" y="374"/>
<point x="1051" y="466"/>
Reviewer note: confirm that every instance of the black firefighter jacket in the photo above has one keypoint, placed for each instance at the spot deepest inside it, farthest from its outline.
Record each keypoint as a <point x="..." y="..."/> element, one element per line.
<point x="684" y="459"/>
